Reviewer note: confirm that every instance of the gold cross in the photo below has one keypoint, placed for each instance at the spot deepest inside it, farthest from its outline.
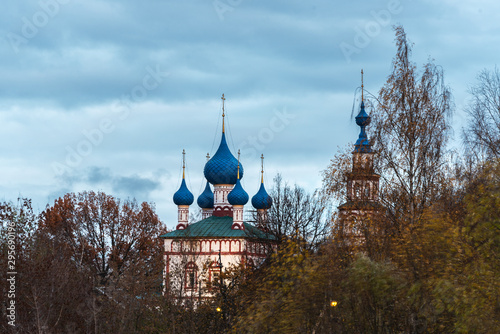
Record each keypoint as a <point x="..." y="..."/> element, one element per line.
<point x="223" y="99"/>
<point x="223" y="115"/>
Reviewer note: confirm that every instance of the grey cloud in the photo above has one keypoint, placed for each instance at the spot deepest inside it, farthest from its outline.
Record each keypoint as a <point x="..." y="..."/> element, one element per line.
<point x="102" y="178"/>
<point x="97" y="52"/>
<point x="135" y="185"/>
<point x="97" y="175"/>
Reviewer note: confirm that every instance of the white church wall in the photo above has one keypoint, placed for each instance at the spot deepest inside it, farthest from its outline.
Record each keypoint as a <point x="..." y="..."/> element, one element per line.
<point x="204" y="256"/>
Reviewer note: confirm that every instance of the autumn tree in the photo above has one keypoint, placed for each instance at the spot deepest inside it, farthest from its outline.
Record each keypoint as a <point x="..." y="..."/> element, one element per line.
<point x="297" y="215"/>
<point x="410" y="130"/>
<point x="17" y="227"/>
<point x="116" y="245"/>
<point x="482" y="133"/>
<point x="467" y="292"/>
<point x="286" y="295"/>
<point x="21" y="218"/>
<point x="51" y="294"/>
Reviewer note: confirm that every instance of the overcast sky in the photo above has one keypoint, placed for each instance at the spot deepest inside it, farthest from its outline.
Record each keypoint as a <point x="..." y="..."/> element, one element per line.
<point x="105" y="95"/>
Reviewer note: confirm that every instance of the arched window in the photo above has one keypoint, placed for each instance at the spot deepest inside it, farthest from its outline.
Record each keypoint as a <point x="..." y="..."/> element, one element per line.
<point x="191" y="278"/>
<point x="214" y="273"/>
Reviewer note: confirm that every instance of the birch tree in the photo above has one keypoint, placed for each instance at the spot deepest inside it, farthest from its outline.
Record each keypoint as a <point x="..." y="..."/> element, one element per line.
<point x="482" y="133"/>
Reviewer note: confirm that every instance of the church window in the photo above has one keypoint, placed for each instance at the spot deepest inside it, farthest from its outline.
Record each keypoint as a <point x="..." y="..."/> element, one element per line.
<point x="214" y="273"/>
<point x="191" y="276"/>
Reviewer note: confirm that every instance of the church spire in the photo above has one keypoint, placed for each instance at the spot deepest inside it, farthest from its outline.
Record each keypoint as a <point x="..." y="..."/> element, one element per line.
<point x="238" y="176"/>
<point x="262" y="168"/>
<point x="362" y="88"/>
<point x="183" y="164"/>
<point x="223" y="113"/>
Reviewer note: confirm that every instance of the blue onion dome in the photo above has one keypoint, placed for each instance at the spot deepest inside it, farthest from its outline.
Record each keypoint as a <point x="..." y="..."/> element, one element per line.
<point x="183" y="196"/>
<point x="362" y="145"/>
<point x="206" y="199"/>
<point x="222" y="168"/>
<point x="262" y="200"/>
<point x="363" y="119"/>
<point x="237" y="196"/>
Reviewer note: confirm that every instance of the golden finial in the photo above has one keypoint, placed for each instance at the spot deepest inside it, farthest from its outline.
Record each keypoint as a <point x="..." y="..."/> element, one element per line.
<point x="223" y="114"/>
<point x="183" y="164"/>
<point x="238" y="164"/>
<point x="362" y="86"/>
<point x="262" y="168"/>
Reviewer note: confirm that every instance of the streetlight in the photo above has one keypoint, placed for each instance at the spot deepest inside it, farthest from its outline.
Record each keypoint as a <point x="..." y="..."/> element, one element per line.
<point x="218" y="309"/>
<point x="333" y="315"/>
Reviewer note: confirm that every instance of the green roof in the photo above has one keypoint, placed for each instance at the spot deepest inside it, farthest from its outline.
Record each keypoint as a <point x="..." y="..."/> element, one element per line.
<point x="218" y="227"/>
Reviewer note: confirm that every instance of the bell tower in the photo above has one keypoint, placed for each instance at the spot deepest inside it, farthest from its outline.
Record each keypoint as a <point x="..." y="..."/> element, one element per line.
<point x="362" y="206"/>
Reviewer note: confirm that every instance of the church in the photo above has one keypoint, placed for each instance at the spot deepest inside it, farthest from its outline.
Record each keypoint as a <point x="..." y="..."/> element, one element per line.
<point x="196" y="253"/>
